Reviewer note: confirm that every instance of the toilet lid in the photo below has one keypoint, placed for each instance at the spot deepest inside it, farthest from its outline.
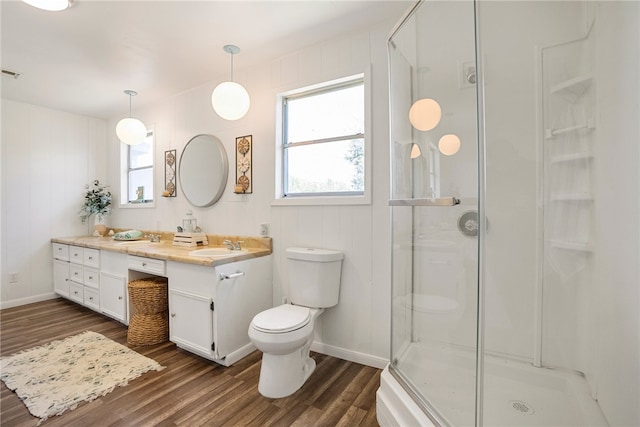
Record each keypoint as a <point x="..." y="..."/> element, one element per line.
<point x="281" y="319"/>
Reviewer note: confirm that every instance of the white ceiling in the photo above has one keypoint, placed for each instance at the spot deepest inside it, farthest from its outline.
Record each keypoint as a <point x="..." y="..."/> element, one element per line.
<point x="82" y="59"/>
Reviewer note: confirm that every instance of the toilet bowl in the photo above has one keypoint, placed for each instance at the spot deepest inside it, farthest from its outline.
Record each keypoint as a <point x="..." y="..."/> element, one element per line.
<point x="284" y="334"/>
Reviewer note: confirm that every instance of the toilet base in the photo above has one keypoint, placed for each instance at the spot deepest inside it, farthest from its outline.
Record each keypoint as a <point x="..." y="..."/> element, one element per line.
<point x="282" y="375"/>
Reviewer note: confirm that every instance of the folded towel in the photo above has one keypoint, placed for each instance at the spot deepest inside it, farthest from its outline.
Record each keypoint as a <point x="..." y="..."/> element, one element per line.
<point x="128" y="235"/>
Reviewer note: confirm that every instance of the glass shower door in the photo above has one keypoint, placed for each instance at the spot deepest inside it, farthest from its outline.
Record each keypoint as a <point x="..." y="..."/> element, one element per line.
<point x="434" y="205"/>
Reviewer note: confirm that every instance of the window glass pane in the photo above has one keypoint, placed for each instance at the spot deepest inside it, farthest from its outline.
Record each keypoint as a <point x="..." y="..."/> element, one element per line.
<point x="141" y="155"/>
<point x="141" y="185"/>
<point x="326" y="167"/>
<point x="324" y="115"/>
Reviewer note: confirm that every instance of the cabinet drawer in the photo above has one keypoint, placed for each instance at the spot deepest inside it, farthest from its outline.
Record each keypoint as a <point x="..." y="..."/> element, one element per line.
<point x="75" y="254"/>
<point x="91" y="277"/>
<point x="76" y="292"/>
<point x="91" y="258"/>
<point x="76" y="273"/>
<point x="149" y="265"/>
<point x="92" y="298"/>
<point x="61" y="251"/>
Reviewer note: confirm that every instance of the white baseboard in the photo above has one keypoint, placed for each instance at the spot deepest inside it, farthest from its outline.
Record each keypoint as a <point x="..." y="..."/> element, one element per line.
<point x="350" y="355"/>
<point x="27" y="300"/>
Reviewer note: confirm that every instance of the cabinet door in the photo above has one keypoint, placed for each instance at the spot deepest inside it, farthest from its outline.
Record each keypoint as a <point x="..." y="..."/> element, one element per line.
<point x="76" y="292"/>
<point x="61" y="277"/>
<point x="190" y="322"/>
<point x="91" y="277"/>
<point x="76" y="273"/>
<point x="61" y="251"/>
<point x="76" y="254"/>
<point x="91" y="257"/>
<point x="92" y="298"/>
<point x="113" y="296"/>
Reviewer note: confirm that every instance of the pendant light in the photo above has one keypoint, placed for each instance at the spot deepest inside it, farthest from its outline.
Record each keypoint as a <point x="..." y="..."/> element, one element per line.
<point x="229" y="99"/>
<point x="131" y="131"/>
<point x="50" y="5"/>
<point x="425" y="114"/>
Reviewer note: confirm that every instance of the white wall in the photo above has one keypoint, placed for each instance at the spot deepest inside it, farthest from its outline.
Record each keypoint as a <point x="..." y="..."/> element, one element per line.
<point x="358" y="328"/>
<point x="48" y="157"/>
<point x="617" y="156"/>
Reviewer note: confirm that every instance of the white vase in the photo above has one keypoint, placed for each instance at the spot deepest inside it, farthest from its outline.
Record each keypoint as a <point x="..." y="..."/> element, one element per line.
<point x="100" y="225"/>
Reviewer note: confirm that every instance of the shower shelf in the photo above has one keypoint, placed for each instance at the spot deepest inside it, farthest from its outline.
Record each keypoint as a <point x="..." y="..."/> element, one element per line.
<point x="574" y="88"/>
<point x="571" y="246"/>
<point x="550" y="133"/>
<point x="572" y="197"/>
<point x="574" y="157"/>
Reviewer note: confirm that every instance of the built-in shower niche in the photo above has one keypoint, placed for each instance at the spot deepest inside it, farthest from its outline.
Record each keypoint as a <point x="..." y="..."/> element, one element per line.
<point x="569" y="120"/>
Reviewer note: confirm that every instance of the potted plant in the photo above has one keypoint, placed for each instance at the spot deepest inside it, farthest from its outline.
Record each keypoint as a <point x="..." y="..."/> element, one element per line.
<point x="97" y="201"/>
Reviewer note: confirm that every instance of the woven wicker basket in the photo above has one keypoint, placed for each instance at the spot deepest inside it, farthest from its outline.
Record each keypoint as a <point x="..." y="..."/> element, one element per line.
<point x="149" y="323"/>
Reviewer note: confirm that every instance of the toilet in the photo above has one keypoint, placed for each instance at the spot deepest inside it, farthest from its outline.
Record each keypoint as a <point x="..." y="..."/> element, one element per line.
<point x="284" y="334"/>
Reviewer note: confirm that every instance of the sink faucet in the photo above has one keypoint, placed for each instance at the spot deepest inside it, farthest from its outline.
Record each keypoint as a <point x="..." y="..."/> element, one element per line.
<point x="233" y="246"/>
<point x="154" y="238"/>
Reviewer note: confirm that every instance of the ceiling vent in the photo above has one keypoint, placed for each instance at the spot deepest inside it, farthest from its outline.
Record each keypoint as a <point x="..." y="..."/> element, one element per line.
<point x="11" y="73"/>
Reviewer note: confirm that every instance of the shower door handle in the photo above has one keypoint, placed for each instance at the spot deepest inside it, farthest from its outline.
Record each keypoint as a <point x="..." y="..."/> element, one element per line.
<point x="433" y="201"/>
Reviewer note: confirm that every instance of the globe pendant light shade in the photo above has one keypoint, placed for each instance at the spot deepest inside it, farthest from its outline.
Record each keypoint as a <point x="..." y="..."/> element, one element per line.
<point x="425" y="114"/>
<point x="230" y="100"/>
<point x="131" y="131"/>
<point x="50" y="5"/>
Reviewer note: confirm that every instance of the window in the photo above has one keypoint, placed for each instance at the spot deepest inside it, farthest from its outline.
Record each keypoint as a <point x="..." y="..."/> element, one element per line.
<point x="137" y="185"/>
<point x="323" y="141"/>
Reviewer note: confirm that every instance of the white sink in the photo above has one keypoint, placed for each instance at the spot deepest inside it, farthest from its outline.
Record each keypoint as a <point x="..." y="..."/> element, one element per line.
<point x="216" y="252"/>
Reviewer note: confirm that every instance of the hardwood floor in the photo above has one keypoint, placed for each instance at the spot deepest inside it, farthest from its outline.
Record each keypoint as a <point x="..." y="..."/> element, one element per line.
<point x="191" y="391"/>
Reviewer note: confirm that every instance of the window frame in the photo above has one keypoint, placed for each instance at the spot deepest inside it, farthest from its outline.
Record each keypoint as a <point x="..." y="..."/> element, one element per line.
<point x="125" y="169"/>
<point x="341" y="198"/>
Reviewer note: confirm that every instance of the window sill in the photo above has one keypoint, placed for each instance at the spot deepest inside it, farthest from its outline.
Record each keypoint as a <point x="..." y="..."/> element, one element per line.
<point x="137" y="205"/>
<point x="322" y="201"/>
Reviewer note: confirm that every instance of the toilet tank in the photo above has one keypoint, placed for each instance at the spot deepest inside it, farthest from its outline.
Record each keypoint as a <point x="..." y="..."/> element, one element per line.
<point x="314" y="276"/>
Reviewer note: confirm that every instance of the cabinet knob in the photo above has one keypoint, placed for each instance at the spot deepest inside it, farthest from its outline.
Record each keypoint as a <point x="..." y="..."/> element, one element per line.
<point x="144" y="264"/>
<point x="120" y="297"/>
<point x="90" y="298"/>
<point x="75" y="292"/>
<point x="173" y="315"/>
<point x="90" y="277"/>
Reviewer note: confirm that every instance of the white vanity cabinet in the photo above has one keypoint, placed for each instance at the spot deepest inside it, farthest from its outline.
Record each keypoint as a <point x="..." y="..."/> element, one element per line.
<point x="61" y="269"/>
<point x="84" y="276"/>
<point x="210" y="308"/>
<point x="113" y="285"/>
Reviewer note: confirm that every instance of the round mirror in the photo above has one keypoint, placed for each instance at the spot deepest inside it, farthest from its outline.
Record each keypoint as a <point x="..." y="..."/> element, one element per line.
<point x="203" y="170"/>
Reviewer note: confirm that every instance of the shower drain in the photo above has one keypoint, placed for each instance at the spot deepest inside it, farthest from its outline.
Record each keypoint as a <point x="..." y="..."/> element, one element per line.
<point x="522" y="407"/>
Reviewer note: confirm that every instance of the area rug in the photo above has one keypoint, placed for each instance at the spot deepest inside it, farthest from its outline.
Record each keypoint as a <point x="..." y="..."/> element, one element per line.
<point x="56" y="377"/>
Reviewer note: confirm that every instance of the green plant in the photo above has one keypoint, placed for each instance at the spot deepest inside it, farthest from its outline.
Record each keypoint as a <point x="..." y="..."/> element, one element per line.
<point x="97" y="201"/>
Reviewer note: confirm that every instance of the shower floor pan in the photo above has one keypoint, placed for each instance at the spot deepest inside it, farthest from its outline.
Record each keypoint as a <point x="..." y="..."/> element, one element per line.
<point x="515" y="393"/>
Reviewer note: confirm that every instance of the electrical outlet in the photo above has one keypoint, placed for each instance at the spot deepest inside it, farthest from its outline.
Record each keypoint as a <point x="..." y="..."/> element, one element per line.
<point x="264" y="230"/>
<point x="14" y="277"/>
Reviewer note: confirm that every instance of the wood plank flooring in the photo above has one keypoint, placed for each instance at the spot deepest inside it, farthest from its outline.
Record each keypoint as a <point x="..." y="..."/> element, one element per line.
<point x="191" y="391"/>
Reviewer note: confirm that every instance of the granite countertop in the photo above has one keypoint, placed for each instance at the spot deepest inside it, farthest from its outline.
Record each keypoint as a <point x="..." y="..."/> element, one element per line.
<point x="165" y="250"/>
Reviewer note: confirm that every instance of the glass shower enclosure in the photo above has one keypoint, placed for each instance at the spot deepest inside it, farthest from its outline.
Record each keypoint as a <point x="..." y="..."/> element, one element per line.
<point x="514" y="203"/>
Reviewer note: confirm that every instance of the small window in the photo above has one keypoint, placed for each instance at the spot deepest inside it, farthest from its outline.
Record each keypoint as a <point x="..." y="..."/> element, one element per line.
<point x="323" y="140"/>
<point x="139" y="172"/>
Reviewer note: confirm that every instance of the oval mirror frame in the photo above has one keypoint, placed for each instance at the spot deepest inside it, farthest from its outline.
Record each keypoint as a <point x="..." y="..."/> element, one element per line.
<point x="203" y="170"/>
